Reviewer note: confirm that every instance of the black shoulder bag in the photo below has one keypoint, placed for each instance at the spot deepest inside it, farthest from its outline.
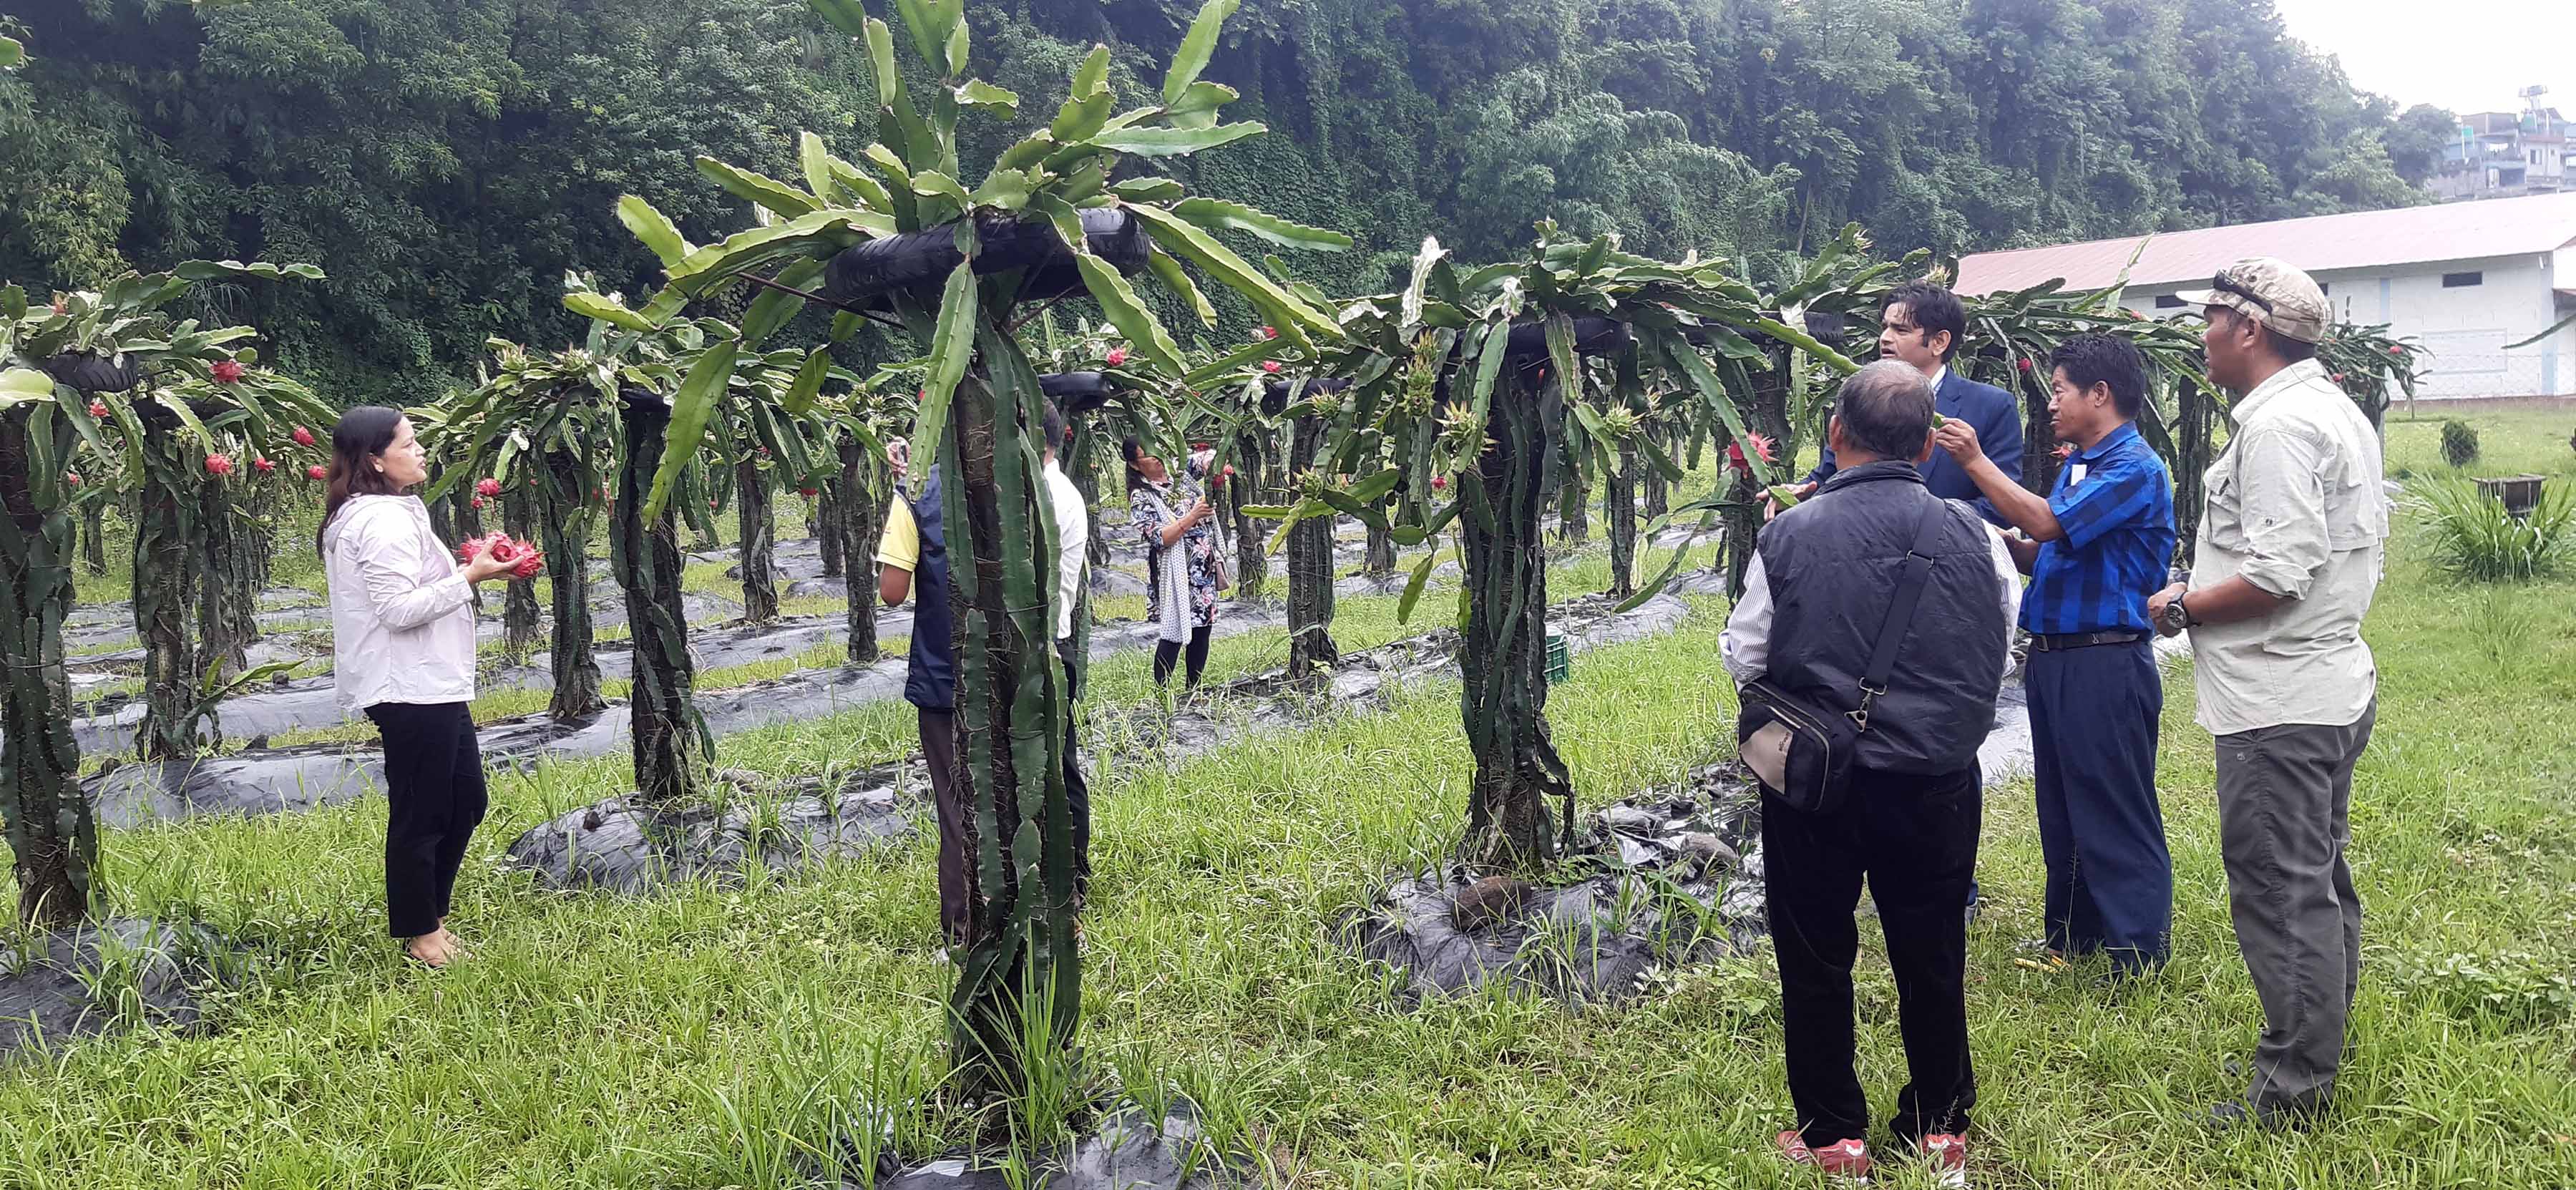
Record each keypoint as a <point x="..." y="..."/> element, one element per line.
<point x="1802" y="751"/>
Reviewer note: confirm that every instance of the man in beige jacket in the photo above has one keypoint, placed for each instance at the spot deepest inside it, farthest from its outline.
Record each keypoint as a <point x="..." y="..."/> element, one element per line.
<point x="2287" y="559"/>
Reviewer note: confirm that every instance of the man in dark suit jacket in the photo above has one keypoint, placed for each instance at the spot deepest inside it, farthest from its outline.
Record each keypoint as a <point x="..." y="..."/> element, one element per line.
<point x="1921" y="324"/>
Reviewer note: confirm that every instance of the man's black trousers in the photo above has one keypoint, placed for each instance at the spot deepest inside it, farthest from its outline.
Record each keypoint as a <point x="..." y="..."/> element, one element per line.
<point x="1914" y="837"/>
<point x="435" y="798"/>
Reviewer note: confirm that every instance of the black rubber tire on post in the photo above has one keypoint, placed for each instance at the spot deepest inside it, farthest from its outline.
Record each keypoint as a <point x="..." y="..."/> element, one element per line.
<point x="1076" y="392"/>
<point x="923" y="259"/>
<point x="1592" y="336"/>
<point x="1828" y="328"/>
<point x="91" y="373"/>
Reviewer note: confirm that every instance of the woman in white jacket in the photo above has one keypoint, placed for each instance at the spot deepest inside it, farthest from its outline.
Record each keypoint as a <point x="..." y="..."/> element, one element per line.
<point x="402" y="625"/>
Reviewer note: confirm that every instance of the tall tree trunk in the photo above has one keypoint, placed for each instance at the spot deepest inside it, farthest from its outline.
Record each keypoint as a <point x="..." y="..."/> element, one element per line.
<point x="1738" y="526"/>
<point x="1251" y="536"/>
<point x="698" y="507"/>
<point x="94" y="535"/>
<point x="520" y="624"/>
<point x="826" y="512"/>
<point x="1659" y="499"/>
<point x="1504" y="658"/>
<point x="1574" y="507"/>
<point x="1381" y="551"/>
<point x="1310" y="570"/>
<point x="2196" y="413"/>
<point x="565" y="524"/>
<point x="671" y="742"/>
<point x="2039" y="434"/>
<point x="53" y="837"/>
<point x="469" y="515"/>
<point x="1619" y="512"/>
<point x="860" y="502"/>
<point x="757" y="549"/>
<point x="1768" y="415"/>
<point x="165" y="580"/>
<point x="227" y="619"/>
<point x="1011" y="719"/>
<point x="442" y="513"/>
<point x="259" y="533"/>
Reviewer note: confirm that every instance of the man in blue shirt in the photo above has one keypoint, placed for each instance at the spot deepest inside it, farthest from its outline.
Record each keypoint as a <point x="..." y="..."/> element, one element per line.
<point x="2098" y="546"/>
<point x="1922" y="324"/>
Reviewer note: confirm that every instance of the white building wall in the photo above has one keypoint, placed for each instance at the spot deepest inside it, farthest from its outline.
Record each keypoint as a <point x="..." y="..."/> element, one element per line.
<point x="2464" y="329"/>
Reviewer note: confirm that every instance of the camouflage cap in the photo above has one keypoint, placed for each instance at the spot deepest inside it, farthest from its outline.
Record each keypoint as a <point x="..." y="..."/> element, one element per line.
<point x="2270" y="292"/>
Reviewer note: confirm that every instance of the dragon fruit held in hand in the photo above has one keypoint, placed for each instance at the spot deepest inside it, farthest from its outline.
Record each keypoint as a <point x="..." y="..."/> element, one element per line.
<point x="525" y="558"/>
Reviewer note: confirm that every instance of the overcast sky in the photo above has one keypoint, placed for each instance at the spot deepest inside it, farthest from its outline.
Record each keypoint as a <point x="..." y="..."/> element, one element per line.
<point x="2466" y="55"/>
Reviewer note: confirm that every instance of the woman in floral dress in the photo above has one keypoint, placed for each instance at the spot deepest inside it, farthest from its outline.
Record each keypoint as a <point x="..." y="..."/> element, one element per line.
<point x="1171" y="516"/>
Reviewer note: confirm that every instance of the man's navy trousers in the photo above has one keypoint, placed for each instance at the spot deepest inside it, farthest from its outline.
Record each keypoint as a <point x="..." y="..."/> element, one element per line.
<point x="2094" y="714"/>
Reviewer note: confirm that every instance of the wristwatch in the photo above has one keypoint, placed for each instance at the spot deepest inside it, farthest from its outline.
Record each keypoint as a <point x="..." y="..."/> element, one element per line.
<point x="2177" y="617"/>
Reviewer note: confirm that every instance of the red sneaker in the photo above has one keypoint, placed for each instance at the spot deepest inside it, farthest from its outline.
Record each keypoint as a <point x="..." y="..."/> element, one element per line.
<point x="1845" y="1158"/>
<point x="1947" y="1154"/>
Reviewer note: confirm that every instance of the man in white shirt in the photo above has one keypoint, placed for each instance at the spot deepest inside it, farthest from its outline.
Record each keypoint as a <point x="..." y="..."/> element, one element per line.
<point x="2286" y="563"/>
<point x="1072" y="555"/>
<point x="1072" y="527"/>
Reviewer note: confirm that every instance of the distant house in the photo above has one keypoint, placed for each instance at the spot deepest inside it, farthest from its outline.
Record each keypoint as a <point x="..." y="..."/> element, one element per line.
<point x="2464" y="278"/>
<point x="2507" y="154"/>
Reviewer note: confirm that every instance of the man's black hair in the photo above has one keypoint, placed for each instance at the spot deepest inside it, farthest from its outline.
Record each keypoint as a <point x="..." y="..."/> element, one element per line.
<point x="2096" y="357"/>
<point x="1886" y="409"/>
<point x="1932" y="308"/>
<point x="1053" y="421"/>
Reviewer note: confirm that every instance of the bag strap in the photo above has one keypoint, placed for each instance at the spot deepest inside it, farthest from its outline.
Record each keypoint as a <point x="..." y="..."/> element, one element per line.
<point x="1900" y="609"/>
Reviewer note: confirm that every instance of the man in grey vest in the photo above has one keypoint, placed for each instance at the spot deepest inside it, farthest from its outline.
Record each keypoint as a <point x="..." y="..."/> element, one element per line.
<point x="2286" y="563"/>
<point x="1820" y="584"/>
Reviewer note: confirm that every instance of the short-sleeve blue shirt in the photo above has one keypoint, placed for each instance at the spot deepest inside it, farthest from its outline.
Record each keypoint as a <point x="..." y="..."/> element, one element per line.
<point x="2115" y="503"/>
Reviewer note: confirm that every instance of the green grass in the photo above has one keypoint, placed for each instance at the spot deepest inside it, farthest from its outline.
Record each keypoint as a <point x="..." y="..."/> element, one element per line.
<point x="686" y="1040"/>
<point x="2514" y="439"/>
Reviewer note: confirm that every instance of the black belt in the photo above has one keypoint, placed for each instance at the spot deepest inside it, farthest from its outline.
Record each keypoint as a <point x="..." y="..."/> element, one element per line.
<point x="2042" y="642"/>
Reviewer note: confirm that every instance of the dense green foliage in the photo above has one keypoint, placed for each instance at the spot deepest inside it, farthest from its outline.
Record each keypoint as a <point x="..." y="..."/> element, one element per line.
<point x="447" y="160"/>
<point x="2474" y="537"/>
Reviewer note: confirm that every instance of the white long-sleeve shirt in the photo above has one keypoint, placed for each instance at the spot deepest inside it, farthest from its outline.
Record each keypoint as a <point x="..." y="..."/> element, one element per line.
<point x="1072" y="544"/>
<point x="1746" y="644"/>
<point x="402" y="614"/>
